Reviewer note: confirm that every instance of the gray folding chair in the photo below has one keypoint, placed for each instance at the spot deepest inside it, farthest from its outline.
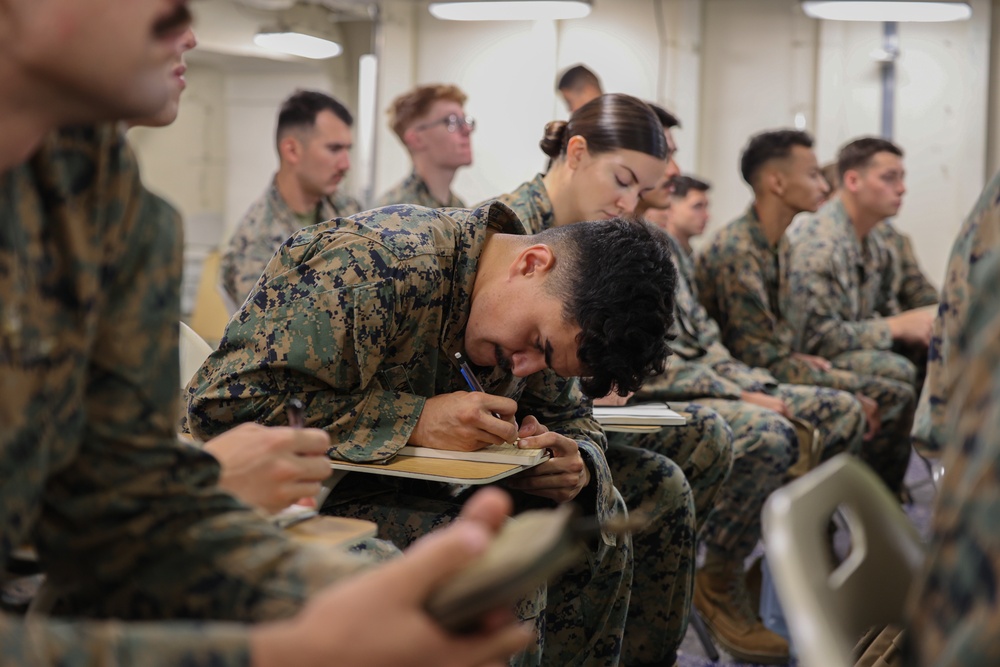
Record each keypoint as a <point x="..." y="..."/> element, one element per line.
<point x="829" y="607"/>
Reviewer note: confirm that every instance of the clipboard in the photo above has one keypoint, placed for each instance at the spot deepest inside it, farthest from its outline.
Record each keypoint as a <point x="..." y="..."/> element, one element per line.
<point x="447" y="471"/>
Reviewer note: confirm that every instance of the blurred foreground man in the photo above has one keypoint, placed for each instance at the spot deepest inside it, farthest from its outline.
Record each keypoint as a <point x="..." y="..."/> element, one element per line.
<point x="127" y="523"/>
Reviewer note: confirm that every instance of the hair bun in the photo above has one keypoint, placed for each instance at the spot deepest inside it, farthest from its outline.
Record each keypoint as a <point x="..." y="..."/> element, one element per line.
<point x="552" y="143"/>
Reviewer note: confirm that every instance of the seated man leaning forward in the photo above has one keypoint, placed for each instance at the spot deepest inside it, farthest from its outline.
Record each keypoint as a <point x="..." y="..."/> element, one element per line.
<point x="360" y="318"/>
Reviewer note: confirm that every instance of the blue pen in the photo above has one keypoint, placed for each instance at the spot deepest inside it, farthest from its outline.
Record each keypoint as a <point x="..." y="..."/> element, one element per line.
<point x="471" y="379"/>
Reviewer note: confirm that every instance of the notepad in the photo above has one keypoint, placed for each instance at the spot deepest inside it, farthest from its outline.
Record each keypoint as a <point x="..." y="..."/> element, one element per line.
<point x="640" y="414"/>
<point x="490" y="454"/>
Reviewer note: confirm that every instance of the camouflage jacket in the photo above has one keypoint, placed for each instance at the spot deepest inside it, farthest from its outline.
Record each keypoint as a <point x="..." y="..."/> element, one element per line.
<point x="701" y="366"/>
<point x="953" y="616"/>
<point x="740" y="278"/>
<point x="839" y="290"/>
<point x="909" y="286"/>
<point x="264" y="227"/>
<point x="413" y="190"/>
<point x="978" y="239"/>
<point x="532" y="204"/>
<point x="127" y="522"/>
<point x="361" y="318"/>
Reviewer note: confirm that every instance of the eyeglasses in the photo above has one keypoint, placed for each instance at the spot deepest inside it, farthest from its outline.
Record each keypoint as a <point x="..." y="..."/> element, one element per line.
<point x="453" y="122"/>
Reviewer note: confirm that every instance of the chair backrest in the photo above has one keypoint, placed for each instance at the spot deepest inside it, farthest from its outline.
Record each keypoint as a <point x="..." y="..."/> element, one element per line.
<point x="193" y="352"/>
<point x="828" y="607"/>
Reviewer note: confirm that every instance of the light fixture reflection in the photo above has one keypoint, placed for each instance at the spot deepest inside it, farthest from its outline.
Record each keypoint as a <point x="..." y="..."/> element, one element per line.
<point x="298" y="44"/>
<point x="887" y="10"/>
<point x="510" y="10"/>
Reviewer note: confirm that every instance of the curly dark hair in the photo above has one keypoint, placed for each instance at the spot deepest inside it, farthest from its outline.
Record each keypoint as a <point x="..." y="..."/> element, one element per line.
<point x="618" y="285"/>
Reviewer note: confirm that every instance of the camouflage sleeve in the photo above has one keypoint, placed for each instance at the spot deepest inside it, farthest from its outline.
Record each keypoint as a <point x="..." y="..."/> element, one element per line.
<point x="686" y="380"/>
<point x="50" y="643"/>
<point x="559" y="404"/>
<point x="318" y="331"/>
<point x="915" y="291"/>
<point x="244" y="259"/>
<point x="754" y="334"/>
<point x="135" y="526"/>
<point x="818" y="305"/>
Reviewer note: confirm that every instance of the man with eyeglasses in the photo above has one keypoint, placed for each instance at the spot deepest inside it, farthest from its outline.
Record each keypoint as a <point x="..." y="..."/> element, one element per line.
<point x="431" y="123"/>
<point x="842" y="304"/>
<point x="313" y="140"/>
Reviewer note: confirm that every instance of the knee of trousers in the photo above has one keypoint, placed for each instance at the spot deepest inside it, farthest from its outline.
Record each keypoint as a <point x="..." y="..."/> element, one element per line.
<point x="847" y="423"/>
<point x="712" y="456"/>
<point x="669" y="495"/>
<point x="772" y="444"/>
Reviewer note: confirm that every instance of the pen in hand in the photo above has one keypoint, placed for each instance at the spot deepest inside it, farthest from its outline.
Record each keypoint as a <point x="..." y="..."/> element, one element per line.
<point x="473" y="381"/>
<point x="294" y="410"/>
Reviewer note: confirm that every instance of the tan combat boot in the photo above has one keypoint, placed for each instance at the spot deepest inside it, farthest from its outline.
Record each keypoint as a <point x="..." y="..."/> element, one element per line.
<point x="721" y="597"/>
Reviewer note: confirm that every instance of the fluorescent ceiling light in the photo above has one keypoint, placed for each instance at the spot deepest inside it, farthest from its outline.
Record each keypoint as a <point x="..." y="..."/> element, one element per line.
<point x="297" y="44"/>
<point x="887" y="10"/>
<point x="510" y="10"/>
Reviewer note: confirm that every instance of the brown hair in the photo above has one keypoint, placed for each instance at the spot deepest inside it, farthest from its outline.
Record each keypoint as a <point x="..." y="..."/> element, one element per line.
<point x="609" y="122"/>
<point x="413" y="105"/>
<point x="858" y="153"/>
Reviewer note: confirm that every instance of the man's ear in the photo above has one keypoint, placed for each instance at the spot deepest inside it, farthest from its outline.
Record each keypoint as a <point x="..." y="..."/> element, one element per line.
<point x="412" y="140"/>
<point x="576" y="151"/>
<point x="535" y="261"/>
<point x="290" y="149"/>
<point x="850" y="180"/>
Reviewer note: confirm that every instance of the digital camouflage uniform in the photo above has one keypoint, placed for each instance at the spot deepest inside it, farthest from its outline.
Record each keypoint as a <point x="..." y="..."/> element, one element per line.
<point x="128" y="523"/>
<point x="977" y="240"/>
<point x="264" y="227"/>
<point x="413" y="190"/>
<point x="953" y="614"/>
<point x="664" y="553"/>
<point x="765" y="444"/>
<point x="360" y="318"/>
<point x="909" y="284"/>
<point x="841" y="292"/>
<point x="742" y="280"/>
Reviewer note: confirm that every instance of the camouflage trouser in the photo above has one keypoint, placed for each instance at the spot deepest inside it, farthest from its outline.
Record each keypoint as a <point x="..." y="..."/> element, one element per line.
<point x="703" y="448"/>
<point x="579" y="616"/>
<point x="765" y="446"/>
<point x="886" y="378"/>
<point x="663" y="573"/>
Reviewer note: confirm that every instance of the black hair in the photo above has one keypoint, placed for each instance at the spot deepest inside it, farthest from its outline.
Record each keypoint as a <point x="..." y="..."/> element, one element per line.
<point x="768" y="146"/>
<point x="617" y="281"/>
<point x="858" y="153"/>
<point x="577" y="77"/>
<point x="685" y="184"/>
<point x="608" y="123"/>
<point x="300" y="109"/>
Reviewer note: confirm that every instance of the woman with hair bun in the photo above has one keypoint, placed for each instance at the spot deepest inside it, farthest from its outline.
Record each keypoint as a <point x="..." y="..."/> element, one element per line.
<point x="604" y="158"/>
<point x="611" y="152"/>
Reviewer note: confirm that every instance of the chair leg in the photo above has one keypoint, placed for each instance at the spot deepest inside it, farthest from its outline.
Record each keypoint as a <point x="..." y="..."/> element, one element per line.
<point x="703" y="636"/>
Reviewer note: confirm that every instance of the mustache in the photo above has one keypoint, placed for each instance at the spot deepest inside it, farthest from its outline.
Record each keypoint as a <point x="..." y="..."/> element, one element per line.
<point x="175" y="22"/>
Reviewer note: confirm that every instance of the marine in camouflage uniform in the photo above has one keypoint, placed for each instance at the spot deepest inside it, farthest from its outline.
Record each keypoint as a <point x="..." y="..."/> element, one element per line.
<point x="128" y="523"/>
<point x="741" y="279"/>
<point x="841" y="294"/>
<point x="700" y="452"/>
<point x="264" y="227"/>
<point x="977" y="241"/>
<point x="953" y="617"/>
<point x="765" y="446"/>
<point x="360" y="319"/>
<point x="413" y="190"/>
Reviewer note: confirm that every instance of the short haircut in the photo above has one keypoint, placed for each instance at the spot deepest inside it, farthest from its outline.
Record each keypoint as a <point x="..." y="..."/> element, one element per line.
<point x="578" y="77"/>
<point x="411" y="106"/>
<point x="299" y="112"/>
<point x="667" y="119"/>
<point x="767" y="146"/>
<point x="617" y="280"/>
<point x="859" y="153"/>
<point x="685" y="184"/>
<point x="609" y="122"/>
